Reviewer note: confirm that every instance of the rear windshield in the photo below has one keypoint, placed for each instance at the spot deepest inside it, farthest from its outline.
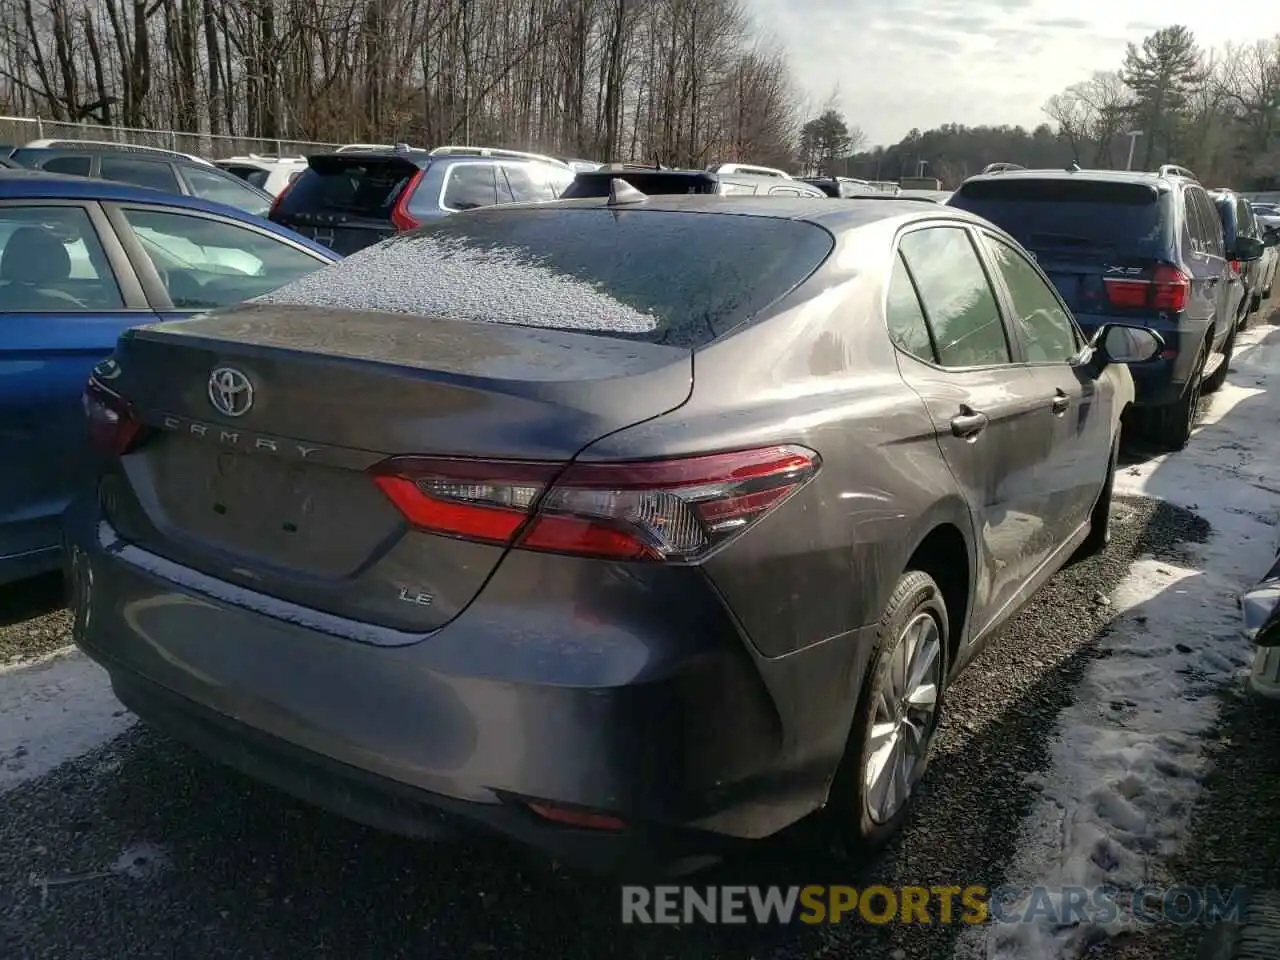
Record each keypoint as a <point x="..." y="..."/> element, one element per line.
<point x="654" y="183"/>
<point x="657" y="276"/>
<point x="362" y="187"/>
<point x="1046" y="214"/>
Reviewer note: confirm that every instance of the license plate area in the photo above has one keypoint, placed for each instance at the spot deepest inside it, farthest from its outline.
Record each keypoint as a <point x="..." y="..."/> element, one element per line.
<point x="319" y="520"/>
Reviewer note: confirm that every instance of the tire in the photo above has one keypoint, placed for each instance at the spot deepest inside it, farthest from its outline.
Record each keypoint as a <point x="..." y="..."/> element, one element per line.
<point x="1170" y="426"/>
<point x="861" y="816"/>
<point x="1100" y="519"/>
<point x="1219" y="377"/>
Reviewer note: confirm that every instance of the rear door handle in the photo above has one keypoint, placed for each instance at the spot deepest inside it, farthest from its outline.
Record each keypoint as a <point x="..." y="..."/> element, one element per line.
<point x="1060" y="403"/>
<point x="968" y="423"/>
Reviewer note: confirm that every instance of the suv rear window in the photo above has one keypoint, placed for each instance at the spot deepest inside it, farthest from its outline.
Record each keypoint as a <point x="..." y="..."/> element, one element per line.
<point x="1124" y="218"/>
<point x="358" y="186"/>
<point x="606" y="272"/>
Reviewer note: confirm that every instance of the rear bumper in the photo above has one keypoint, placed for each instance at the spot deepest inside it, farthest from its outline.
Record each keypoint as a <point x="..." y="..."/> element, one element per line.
<point x="679" y="738"/>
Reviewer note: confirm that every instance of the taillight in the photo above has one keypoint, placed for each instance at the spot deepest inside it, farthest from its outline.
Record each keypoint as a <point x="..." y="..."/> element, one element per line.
<point x="400" y="212"/>
<point x="1127" y="293"/>
<point x="1170" y="288"/>
<point x="114" y="430"/>
<point x="1166" y="289"/>
<point x="675" y="511"/>
<point x="1236" y="265"/>
<point x="275" y="204"/>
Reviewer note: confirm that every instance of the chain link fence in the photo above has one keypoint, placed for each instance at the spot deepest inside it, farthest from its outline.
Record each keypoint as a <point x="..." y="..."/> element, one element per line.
<point x="16" y="131"/>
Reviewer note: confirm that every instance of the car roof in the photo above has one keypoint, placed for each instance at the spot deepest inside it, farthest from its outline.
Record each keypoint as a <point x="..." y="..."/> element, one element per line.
<point x="28" y="184"/>
<point x="846" y="215"/>
<point x="1114" y="176"/>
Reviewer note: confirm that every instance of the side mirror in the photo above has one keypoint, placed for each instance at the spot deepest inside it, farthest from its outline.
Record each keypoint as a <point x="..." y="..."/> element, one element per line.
<point x="1123" y="343"/>
<point x="1248" y="249"/>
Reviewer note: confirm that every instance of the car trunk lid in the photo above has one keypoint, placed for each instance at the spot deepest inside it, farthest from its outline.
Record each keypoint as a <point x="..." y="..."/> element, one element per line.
<point x="273" y="489"/>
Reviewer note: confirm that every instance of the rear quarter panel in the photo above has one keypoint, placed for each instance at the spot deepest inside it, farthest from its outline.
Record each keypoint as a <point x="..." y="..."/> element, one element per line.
<point x="820" y="371"/>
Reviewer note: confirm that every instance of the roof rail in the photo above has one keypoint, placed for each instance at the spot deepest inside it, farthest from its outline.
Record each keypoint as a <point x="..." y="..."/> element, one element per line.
<point x="360" y="147"/>
<point x="1001" y="167"/>
<point x="108" y="145"/>
<point x="1173" y="170"/>
<point x="456" y="150"/>
<point x="732" y="168"/>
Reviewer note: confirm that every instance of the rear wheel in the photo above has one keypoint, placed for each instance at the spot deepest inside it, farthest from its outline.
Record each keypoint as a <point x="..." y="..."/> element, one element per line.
<point x="1170" y="426"/>
<point x="888" y="748"/>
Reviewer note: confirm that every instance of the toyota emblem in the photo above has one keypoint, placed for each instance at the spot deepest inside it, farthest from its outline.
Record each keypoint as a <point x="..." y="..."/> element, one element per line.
<point x="230" y="392"/>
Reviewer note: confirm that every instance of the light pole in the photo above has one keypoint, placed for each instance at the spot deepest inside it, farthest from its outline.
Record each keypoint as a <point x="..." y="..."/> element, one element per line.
<point x="1133" y="136"/>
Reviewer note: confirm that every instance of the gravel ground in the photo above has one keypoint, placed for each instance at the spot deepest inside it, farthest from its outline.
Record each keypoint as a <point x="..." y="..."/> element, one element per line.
<point x="222" y="867"/>
<point x="33" y="621"/>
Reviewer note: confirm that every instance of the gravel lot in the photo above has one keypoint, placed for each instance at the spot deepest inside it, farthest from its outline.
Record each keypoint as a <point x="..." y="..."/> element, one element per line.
<point x="218" y="867"/>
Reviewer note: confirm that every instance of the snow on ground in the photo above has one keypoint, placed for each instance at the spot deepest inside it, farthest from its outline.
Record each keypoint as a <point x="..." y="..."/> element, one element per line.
<point x="1126" y="759"/>
<point x="53" y="710"/>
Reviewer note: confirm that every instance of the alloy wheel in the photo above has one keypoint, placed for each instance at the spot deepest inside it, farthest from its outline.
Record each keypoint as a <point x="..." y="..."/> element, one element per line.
<point x="904" y="714"/>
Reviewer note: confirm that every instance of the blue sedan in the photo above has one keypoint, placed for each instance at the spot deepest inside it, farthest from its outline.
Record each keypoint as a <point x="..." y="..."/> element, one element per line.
<point x="80" y="261"/>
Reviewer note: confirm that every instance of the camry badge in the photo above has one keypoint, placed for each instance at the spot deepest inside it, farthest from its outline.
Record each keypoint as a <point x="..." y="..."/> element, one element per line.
<point x="230" y="392"/>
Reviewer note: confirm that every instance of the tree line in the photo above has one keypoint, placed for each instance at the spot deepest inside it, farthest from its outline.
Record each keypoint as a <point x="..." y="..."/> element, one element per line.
<point x="1169" y="101"/>
<point x="681" y="82"/>
<point x="676" y="81"/>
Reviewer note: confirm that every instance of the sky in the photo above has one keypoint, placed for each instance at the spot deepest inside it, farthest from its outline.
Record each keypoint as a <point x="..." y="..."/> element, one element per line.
<point x="932" y="62"/>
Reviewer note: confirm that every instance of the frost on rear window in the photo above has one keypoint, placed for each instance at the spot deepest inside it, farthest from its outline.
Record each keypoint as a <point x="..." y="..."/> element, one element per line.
<point x="659" y="276"/>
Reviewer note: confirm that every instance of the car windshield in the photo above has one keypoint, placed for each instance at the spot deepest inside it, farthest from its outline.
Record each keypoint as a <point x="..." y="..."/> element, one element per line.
<point x="1059" y="213"/>
<point x="627" y="274"/>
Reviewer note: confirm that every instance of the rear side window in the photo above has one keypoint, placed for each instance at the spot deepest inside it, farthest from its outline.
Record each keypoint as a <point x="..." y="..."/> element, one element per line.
<point x="607" y="272"/>
<point x="221" y="187"/>
<point x="956" y="296"/>
<point x="366" y="188"/>
<point x="1127" y="219"/>
<point x="907" y="325"/>
<point x="76" y="166"/>
<point x="1211" y="222"/>
<point x="1248" y="225"/>
<point x="142" y="173"/>
<point x="469" y="186"/>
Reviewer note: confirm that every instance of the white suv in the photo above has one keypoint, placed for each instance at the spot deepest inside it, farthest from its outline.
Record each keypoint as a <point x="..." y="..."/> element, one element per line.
<point x="268" y="173"/>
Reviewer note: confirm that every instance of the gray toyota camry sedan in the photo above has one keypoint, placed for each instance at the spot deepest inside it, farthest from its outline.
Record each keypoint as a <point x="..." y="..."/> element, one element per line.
<point x="627" y="528"/>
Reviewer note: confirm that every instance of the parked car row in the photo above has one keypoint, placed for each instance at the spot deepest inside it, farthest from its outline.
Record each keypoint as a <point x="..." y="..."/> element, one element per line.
<point x="634" y="526"/>
<point x="1150" y="248"/>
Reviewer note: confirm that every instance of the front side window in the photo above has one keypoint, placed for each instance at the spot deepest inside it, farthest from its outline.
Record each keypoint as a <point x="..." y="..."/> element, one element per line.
<point x="51" y="261"/>
<point x="1048" y="331"/>
<point x="206" y="263"/>
<point x="956" y="296"/>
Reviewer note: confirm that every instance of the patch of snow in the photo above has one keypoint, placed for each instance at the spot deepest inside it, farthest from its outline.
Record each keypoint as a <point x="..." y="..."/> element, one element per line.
<point x="53" y="710"/>
<point x="1127" y="756"/>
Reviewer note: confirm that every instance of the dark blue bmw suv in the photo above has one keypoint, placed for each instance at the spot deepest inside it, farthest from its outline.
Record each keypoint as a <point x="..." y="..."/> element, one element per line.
<point x="1127" y="246"/>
